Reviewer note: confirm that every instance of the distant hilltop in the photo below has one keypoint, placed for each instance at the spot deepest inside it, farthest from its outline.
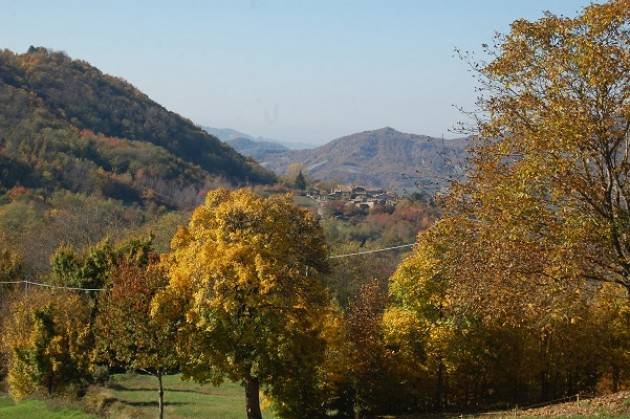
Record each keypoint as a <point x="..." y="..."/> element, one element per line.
<point x="383" y="158"/>
<point x="251" y="144"/>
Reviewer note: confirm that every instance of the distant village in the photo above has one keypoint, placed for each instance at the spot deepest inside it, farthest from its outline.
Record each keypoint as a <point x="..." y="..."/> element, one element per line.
<point x="359" y="196"/>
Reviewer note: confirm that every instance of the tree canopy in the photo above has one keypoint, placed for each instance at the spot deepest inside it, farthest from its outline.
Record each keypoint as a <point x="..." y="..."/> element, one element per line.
<point x="245" y="274"/>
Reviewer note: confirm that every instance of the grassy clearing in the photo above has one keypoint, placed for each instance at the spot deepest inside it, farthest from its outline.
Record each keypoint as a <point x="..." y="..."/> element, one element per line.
<point x="30" y="409"/>
<point x="305" y="202"/>
<point x="135" y="396"/>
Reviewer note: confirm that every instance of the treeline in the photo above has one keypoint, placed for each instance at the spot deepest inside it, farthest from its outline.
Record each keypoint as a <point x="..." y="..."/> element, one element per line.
<point x="244" y="294"/>
<point x="33" y="225"/>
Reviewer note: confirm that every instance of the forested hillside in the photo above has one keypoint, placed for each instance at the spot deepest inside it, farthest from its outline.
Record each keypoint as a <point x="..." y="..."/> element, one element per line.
<point x="64" y="125"/>
<point x="84" y="156"/>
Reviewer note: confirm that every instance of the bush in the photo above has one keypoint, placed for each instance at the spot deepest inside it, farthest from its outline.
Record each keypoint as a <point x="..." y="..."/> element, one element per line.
<point x="46" y="342"/>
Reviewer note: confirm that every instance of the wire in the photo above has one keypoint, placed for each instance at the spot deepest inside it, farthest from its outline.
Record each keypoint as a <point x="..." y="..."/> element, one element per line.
<point x="61" y="287"/>
<point x="366" y="252"/>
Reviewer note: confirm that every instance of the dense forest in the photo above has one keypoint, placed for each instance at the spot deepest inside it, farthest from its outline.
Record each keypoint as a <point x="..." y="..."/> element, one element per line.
<point x="516" y="292"/>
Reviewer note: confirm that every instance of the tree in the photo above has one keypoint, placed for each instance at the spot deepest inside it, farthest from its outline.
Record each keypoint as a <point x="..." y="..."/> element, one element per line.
<point x="127" y="334"/>
<point x="11" y="267"/>
<point x="507" y="287"/>
<point x="293" y="170"/>
<point x="300" y="181"/>
<point x="374" y="387"/>
<point x="245" y="274"/>
<point x="555" y="155"/>
<point x="45" y="338"/>
<point x="11" y="270"/>
<point x="93" y="269"/>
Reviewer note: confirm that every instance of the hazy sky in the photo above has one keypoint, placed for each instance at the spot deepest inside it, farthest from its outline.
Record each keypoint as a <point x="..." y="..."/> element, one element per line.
<point x="305" y="71"/>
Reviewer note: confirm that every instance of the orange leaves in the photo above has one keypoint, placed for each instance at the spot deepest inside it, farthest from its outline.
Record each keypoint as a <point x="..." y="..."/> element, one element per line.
<point x="17" y="191"/>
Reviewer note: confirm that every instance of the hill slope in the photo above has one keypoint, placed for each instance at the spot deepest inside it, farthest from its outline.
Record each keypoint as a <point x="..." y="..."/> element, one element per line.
<point x="383" y="158"/>
<point x="66" y="125"/>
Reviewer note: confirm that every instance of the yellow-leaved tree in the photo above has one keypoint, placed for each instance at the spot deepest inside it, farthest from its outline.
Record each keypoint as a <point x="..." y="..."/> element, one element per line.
<point x="512" y="288"/>
<point x="46" y="341"/>
<point x="552" y="174"/>
<point x="246" y="284"/>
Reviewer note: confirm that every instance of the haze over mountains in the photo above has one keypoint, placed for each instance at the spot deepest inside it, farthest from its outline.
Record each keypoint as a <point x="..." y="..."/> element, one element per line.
<point x="384" y="158"/>
<point x="64" y="125"/>
<point x="228" y="134"/>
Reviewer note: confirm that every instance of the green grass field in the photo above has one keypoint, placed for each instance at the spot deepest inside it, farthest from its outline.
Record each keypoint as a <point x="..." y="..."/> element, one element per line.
<point x="135" y="396"/>
<point x="31" y="409"/>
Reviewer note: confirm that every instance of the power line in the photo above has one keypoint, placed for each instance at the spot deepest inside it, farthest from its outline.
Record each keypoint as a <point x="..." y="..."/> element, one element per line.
<point x="366" y="252"/>
<point x="61" y="287"/>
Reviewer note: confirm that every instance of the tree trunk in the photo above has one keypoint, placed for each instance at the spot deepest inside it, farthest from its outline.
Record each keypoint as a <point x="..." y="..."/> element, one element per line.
<point x="615" y="378"/>
<point x="252" y="400"/>
<point x="438" y="403"/>
<point x="161" y="396"/>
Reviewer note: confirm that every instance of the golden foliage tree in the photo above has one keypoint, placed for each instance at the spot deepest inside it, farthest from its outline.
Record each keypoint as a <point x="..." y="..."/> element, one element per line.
<point x="507" y="288"/>
<point x="245" y="274"/>
<point x="46" y="339"/>
<point x="552" y="175"/>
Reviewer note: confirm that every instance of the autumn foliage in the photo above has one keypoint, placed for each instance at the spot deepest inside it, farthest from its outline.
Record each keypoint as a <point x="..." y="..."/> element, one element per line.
<point x="521" y="291"/>
<point x="246" y="286"/>
<point x="518" y="294"/>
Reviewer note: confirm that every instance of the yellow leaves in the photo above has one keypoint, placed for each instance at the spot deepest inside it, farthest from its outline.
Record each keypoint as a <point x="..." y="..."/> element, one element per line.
<point x="45" y="342"/>
<point x="181" y="237"/>
<point x="238" y="276"/>
<point x="400" y="325"/>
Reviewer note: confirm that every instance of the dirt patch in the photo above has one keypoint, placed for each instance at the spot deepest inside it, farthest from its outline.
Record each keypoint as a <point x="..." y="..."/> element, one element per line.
<point x="612" y="405"/>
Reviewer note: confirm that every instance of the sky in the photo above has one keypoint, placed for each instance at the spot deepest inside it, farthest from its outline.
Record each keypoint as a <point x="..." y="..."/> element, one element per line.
<point x="304" y="71"/>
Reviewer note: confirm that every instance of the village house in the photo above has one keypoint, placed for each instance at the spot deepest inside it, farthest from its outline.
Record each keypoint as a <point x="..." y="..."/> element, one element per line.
<point x="360" y="196"/>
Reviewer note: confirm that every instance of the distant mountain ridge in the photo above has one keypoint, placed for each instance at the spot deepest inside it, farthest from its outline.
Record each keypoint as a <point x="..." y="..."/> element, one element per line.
<point x="383" y="158"/>
<point x="227" y="135"/>
<point x="258" y="150"/>
<point x="66" y="125"/>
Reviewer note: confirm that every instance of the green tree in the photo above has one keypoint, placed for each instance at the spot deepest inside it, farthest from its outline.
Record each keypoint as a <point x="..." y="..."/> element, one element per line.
<point x="300" y="181"/>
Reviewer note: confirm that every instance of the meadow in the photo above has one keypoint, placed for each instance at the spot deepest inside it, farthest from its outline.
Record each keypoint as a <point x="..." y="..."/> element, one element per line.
<point x="135" y="396"/>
